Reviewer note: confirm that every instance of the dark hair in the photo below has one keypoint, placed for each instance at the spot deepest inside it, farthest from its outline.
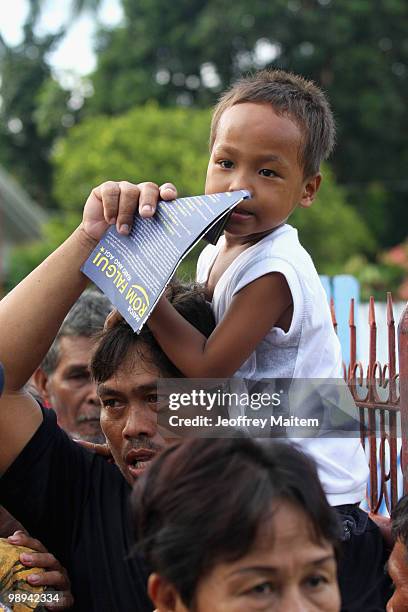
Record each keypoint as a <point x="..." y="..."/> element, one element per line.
<point x="203" y="501"/>
<point x="399" y="518"/>
<point x="116" y="343"/>
<point x="86" y="318"/>
<point x="292" y="95"/>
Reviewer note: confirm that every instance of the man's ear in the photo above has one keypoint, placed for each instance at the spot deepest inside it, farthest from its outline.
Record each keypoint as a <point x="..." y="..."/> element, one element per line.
<point x="310" y="189"/>
<point x="164" y="595"/>
<point x="40" y="380"/>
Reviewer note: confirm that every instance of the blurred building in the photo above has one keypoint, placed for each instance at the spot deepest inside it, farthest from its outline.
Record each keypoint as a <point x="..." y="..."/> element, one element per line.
<point x="21" y="218"/>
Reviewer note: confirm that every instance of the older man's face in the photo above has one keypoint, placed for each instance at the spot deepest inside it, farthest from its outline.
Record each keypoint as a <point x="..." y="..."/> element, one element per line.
<point x="398" y="571"/>
<point x="70" y="391"/>
<point x="129" y="415"/>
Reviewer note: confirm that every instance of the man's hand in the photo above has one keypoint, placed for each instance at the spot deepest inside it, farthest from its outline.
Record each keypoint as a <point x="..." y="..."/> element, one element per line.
<point x="117" y="202"/>
<point x="54" y="576"/>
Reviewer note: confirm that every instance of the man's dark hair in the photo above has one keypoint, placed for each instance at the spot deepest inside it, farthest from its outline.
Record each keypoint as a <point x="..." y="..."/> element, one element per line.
<point x="399" y="518"/>
<point x="116" y="343"/>
<point x="86" y="318"/>
<point x="293" y="96"/>
<point x="204" y="501"/>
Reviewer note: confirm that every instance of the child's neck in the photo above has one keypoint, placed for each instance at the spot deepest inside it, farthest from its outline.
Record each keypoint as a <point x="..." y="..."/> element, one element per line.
<point x="232" y="241"/>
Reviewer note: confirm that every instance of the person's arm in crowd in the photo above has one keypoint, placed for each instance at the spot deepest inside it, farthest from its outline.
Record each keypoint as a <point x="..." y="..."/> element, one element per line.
<point x="30" y="317"/>
<point x="54" y="575"/>
<point x="32" y="313"/>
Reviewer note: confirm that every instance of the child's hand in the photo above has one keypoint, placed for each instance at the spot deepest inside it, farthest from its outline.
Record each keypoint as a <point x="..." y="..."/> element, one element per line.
<point x="117" y="202"/>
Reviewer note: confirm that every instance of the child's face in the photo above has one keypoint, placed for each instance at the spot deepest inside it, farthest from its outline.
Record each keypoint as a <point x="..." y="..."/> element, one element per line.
<point x="258" y="150"/>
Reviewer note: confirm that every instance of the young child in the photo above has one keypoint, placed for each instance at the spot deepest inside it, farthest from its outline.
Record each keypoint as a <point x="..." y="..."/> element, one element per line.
<point x="269" y="134"/>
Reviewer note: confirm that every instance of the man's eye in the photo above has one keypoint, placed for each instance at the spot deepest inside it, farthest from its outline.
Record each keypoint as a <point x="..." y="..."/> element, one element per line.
<point x="267" y="172"/>
<point x="79" y="376"/>
<point x="111" y="403"/>
<point x="152" y="398"/>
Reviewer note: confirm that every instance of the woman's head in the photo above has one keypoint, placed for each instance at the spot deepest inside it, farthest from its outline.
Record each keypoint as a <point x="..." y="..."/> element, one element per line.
<point x="236" y="525"/>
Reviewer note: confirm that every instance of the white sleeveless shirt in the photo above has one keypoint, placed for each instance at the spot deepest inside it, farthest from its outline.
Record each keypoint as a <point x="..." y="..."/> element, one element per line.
<point x="310" y="349"/>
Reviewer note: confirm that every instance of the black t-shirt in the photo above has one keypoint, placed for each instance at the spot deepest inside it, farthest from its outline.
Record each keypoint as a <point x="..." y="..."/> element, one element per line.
<point x="77" y="505"/>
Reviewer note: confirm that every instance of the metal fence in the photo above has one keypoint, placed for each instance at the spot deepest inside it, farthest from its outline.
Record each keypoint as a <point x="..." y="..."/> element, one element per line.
<point x="381" y="394"/>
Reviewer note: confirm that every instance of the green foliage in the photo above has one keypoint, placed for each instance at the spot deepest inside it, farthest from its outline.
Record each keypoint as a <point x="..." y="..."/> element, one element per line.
<point x="34" y="108"/>
<point x="24" y="150"/>
<point x="51" y="114"/>
<point x="388" y="273"/>
<point x="23" y="259"/>
<point x="375" y="278"/>
<point x="147" y="143"/>
<point x="331" y="230"/>
<point x="187" y="269"/>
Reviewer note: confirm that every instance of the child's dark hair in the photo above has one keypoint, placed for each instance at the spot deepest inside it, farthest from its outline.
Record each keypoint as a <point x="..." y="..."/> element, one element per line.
<point x="292" y="95"/>
<point x="204" y="501"/>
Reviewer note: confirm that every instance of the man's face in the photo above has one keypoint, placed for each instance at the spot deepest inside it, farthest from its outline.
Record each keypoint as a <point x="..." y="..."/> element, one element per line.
<point x="129" y="415"/>
<point x="70" y="391"/>
<point x="398" y="571"/>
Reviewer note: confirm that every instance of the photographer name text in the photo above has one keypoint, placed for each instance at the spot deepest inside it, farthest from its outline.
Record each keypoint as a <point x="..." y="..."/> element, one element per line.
<point x="242" y="421"/>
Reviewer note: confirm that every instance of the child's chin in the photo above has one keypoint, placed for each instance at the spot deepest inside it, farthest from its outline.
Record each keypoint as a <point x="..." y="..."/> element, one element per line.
<point x="233" y="231"/>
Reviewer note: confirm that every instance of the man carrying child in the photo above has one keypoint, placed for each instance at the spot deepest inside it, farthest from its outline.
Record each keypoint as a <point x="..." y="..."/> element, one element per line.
<point x="269" y="135"/>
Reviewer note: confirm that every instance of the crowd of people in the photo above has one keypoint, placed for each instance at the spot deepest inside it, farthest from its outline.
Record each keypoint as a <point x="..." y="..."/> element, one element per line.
<point x="229" y="524"/>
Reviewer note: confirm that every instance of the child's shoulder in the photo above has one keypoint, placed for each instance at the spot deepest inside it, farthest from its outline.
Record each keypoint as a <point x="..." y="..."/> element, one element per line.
<point x="282" y="252"/>
<point x="286" y="244"/>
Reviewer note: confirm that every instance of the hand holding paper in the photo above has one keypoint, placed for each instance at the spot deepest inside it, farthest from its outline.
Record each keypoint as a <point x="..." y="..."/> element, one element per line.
<point x="133" y="270"/>
<point x="117" y="202"/>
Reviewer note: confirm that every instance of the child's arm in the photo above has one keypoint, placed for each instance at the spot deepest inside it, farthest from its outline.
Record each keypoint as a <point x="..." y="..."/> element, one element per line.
<point x="253" y="311"/>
